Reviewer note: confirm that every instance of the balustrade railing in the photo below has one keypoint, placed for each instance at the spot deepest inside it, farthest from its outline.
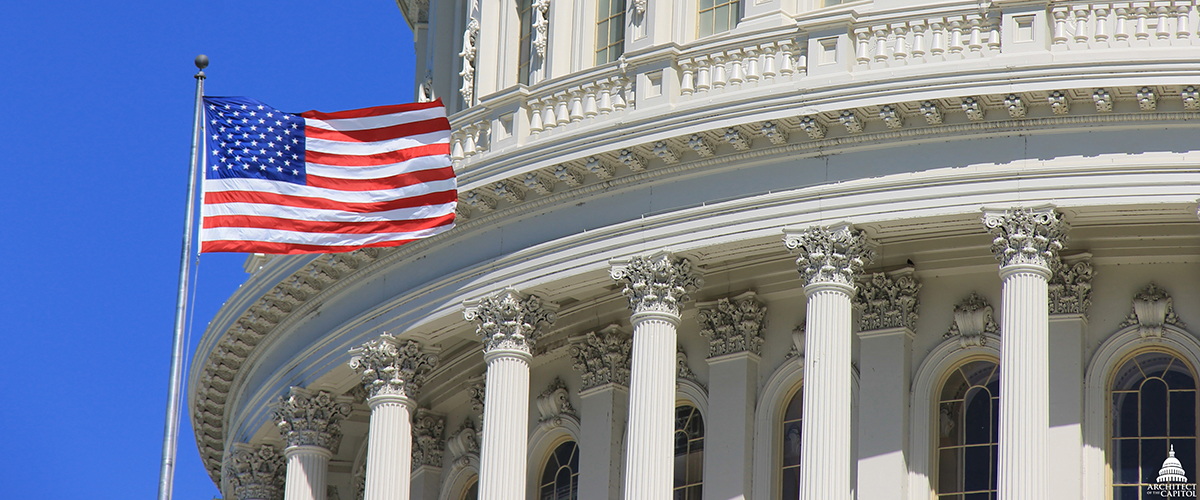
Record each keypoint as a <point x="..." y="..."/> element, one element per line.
<point x="709" y="68"/>
<point x="902" y="40"/>
<point x="1078" y="25"/>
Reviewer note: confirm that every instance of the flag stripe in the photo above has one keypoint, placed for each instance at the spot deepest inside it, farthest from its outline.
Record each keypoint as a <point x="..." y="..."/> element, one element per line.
<point x="378" y="171"/>
<point x="288" y="248"/>
<point x="393" y="182"/>
<point x="375" y="111"/>
<point x="299" y="191"/>
<point x="324" y="204"/>
<point x="380" y="133"/>
<point x="309" y="226"/>
<point x="376" y="159"/>
<point x="302" y="238"/>
<point x="377" y="147"/>
<point x="316" y="214"/>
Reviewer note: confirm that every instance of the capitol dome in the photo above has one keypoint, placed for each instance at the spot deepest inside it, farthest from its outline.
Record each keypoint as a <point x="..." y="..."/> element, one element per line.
<point x="1172" y="470"/>
<point x="756" y="249"/>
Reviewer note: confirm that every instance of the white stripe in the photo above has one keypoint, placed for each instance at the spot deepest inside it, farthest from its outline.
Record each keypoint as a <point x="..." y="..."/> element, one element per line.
<point x="299" y="238"/>
<point x="381" y="121"/>
<point x="379" y="171"/>
<point x="314" y="214"/>
<point x="290" y="189"/>
<point x="372" y="148"/>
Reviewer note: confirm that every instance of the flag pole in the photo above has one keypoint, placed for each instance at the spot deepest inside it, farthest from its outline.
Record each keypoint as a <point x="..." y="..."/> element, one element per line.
<point x="166" y="475"/>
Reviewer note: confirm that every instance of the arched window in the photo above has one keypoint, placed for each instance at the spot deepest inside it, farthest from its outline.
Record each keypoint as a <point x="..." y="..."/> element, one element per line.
<point x="717" y="16"/>
<point x="610" y="31"/>
<point x="560" y="478"/>
<point x="525" y="14"/>
<point x="1153" y="398"/>
<point x="689" y="453"/>
<point x="472" y="491"/>
<point x="967" y="428"/>
<point x="790" y="434"/>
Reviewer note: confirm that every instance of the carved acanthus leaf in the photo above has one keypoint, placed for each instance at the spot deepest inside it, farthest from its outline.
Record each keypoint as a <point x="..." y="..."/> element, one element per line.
<point x="834" y="254"/>
<point x="682" y="370"/>
<point x="427" y="428"/>
<point x="305" y="418"/>
<point x="1152" y="308"/>
<point x="555" y="403"/>
<point x="464" y="443"/>
<point x="887" y="302"/>
<point x="972" y="319"/>
<point x="1070" y="288"/>
<point x="733" y="325"/>
<point x="510" y="319"/>
<point x="1026" y="235"/>
<point x="658" y="282"/>
<point x="603" y="358"/>
<point x="256" y="474"/>
<point x="390" y="366"/>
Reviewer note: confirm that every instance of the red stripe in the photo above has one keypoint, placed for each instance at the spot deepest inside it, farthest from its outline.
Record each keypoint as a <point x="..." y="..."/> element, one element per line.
<point x="285" y="248"/>
<point x="322" y="203"/>
<point x="310" y="226"/>
<point x="379" y="134"/>
<point x="375" y="111"/>
<point x="382" y="183"/>
<point x="377" y="159"/>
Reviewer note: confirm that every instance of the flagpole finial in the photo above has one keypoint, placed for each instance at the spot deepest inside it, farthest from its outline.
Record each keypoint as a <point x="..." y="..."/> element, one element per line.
<point x="201" y="63"/>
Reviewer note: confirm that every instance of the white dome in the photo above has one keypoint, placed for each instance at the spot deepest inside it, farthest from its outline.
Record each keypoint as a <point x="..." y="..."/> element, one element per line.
<point x="1172" y="470"/>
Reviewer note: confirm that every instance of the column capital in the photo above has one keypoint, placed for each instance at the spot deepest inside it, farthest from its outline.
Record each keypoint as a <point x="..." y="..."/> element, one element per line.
<point x="1026" y="235"/>
<point x="509" y="319"/>
<point x="602" y="357"/>
<point x="256" y="474"/>
<point x="656" y="283"/>
<point x="733" y="325"/>
<point x="391" y="367"/>
<point x="308" y="418"/>
<point x="1070" y="287"/>
<point x="832" y="254"/>
<point x="427" y="428"/>
<point x="888" y="301"/>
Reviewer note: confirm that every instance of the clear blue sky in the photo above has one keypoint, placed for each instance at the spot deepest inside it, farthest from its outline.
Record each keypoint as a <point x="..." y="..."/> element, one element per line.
<point x="97" y="109"/>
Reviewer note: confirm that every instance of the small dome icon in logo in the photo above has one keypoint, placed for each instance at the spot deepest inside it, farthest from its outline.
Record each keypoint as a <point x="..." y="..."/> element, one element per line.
<point x="1172" y="470"/>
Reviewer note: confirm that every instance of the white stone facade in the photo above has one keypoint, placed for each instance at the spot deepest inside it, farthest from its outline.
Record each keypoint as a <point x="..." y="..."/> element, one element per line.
<point x="896" y="206"/>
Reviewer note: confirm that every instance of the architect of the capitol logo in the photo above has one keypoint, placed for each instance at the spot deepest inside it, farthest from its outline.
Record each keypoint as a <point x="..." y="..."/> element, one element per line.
<point x="1172" y="480"/>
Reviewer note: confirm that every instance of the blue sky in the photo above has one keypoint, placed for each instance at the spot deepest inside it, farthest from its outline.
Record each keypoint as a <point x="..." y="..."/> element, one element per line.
<point x="97" y="101"/>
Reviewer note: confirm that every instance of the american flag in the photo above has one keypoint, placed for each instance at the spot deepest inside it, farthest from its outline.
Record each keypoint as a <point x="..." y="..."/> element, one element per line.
<point x="313" y="182"/>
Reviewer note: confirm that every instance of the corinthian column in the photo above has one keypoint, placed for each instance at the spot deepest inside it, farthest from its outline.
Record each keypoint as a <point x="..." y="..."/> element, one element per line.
<point x="392" y="372"/>
<point x="255" y="474"/>
<point x="829" y="260"/>
<point x="656" y="286"/>
<point x="311" y="426"/>
<point x="1026" y="243"/>
<point x="509" y="323"/>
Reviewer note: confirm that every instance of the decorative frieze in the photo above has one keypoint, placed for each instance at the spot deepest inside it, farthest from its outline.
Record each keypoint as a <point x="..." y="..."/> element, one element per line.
<point x="427" y="428"/>
<point x="256" y="474"/>
<point x="463" y="444"/>
<point x="470" y="38"/>
<point x="510" y="319"/>
<point x="682" y="370"/>
<point x="812" y="127"/>
<point x="972" y="318"/>
<point x="776" y="134"/>
<point x="891" y="117"/>
<point x="598" y="167"/>
<point x="887" y="302"/>
<point x="1070" y="288"/>
<point x="656" y="283"/>
<point x="700" y="145"/>
<point x="797" y="348"/>
<point x="739" y="141"/>
<point x="305" y="418"/>
<point x="850" y="120"/>
<point x="973" y="108"/>
<point x="1015" y="106"/>
<point x="1026" y="235"/>
<point x="1147" y="99"/>
<point x="733" y="325"/>
<point x="1152" y="308"/>
<point x="539" y="182"/>
<point x="633" y="160"/>
<point x="477" y="392"/>
<point x="1060" y="102"/>
<point x="1103" y="100"/>
<point x="571" y="176"/>
<point x="603" y="358"/>
<point x="663" y="150"/>
<point x="1191" y="98"/>
<point x="931" y="112"/>
<point x="834" y="254"/>
<point x="555" y="403"/>
<point x="541" y="27"/>
<point x="390" y="366"/>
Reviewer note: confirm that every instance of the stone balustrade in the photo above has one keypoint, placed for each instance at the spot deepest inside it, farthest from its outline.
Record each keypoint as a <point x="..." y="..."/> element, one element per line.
<point x="1080" y="25"/>
<point x="899" y="40"/>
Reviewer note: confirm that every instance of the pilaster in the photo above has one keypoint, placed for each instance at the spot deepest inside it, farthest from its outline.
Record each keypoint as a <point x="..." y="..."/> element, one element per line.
<point x="1070" y="297"/>
<point x="734" y="329"/>
<point x="829" y="259"/>
<point x="429" y="429"/>
<point x="603" y="358"/>
<point x="1026" y="243"/>
<point x="656" y="285"/>
<point x="310" y="423"/>
<point x="509" y="323"/>
<point x="888" y="306"/>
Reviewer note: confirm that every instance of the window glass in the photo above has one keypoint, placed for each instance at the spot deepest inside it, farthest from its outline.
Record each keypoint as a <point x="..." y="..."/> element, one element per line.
<point x="525" y="13"/>
<point x="968" y="427"/>
<point x="689" y="453"/>
<point x="472" y="492"/>
<point x="560" y="478"/>
<point x="717" y="16"/>
<point x="1153" y="422"/>
<point x="790" y="440"/>
<point x="610" y="30"/>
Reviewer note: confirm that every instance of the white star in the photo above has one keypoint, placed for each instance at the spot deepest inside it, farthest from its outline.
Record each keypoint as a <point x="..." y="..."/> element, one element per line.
<point x="293" y="125"/>
<point x="262" y="136"/>
<point x="262" y="151"/>
<point x="222" y="144"/>
<point x="271" y="160"/>
<point x="226" y="106"/>
<point x="262" y="167"/>
<point x="212" y="106"/>
<point x="288" y="132"/>
<point x="245" y="167"/>
<point x="277" y="122"/>
<point x="295" y="172"/>
<point x="295" y="141"/>
<point x="252" y="127"/>
<point x="251" y="113"/>
<point x="260" y="106"/>
<point x="215" y="152"/>
<point x="215" y="137"/>
<point x="214" y="122"/>
<point x="279" y="153"/>
<point x="270" y="129"/>
<point x="236" y="113"/>
<point x="243" y="106"/>
<point x="246" y="151"/>
<point x="215" y="167"/>
<point x="269" y="114"/>
<point x="253" y="143"/>
<point x="270" y="145"/>
<point x="294" y="157"/>
<point x="222" y="129"/>
<point x="279" y="168"/>
<point x="260" y="120"/>
<point x="287" y="147"/>
<point x="245" y="135"/>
